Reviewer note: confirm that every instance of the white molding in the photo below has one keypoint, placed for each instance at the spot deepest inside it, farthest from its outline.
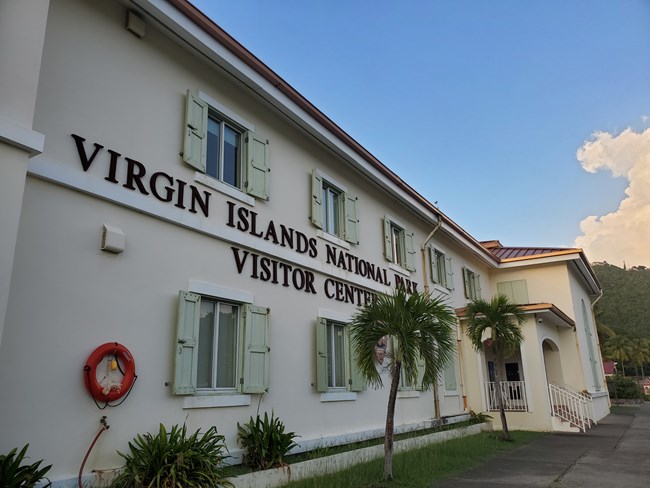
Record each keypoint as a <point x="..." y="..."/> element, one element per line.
<point x="331" y="181"/>
<point x="226" y="112"/>
<point x="21" y="137"/>
<point x="211" y="401"/>
<point x="333" y="239"/>
<point x="96" y="186"/>
<point x="224" y="188"/>
<point x="338" y="396"/>
<point x="398" y="269"/>
<point x="335" y="316"/>
<point x="408" y="394"/>
<point x="218" y="291"/>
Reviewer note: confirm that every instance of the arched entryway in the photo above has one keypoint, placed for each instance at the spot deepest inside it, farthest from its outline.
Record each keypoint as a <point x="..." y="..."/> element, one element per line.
<point x="552" y="362"/>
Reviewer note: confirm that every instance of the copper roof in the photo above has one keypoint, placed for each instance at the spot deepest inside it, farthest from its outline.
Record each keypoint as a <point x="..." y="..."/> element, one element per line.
<point x="503" y="253"/>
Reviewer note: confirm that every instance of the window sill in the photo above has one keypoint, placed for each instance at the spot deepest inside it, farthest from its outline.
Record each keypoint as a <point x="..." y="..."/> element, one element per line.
<point x="441" y="289"/>
<point x="221" y="187"/>
<point x="209" y="401"/>
<point x="408" y="394"/>
<point x="451" y="393"/>
<point x="333" y="239"/>
<point x="399" y="269"/>
<point x="338" y="396"/>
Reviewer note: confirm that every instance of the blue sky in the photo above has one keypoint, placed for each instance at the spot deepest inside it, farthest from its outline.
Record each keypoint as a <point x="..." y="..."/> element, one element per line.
<point x="479" y="105"/>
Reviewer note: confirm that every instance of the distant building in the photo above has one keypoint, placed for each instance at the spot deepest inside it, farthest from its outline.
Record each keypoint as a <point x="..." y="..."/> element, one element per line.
<point x="162" y="188"/>
<point x="609" y="367"/>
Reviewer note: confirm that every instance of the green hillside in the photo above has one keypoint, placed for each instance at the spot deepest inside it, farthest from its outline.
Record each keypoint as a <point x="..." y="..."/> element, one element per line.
<point x="625" y="305"/>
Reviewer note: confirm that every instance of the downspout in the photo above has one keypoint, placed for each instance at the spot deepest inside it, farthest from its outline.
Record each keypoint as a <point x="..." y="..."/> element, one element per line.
<point x="459" y="341"/>
<point x="436" y="397"/>
<point x="600" y="355"/>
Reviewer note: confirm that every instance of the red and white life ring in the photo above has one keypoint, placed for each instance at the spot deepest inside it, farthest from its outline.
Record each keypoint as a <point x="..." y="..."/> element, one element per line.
<point x="107" y="389"/>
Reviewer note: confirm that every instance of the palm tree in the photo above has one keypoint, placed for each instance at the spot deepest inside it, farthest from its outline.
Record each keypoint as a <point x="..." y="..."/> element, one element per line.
<point x="618" y="349"/>
<point x="423" y="329"/>
<point x="639" y="353"/>
<point x="502" y="320"/>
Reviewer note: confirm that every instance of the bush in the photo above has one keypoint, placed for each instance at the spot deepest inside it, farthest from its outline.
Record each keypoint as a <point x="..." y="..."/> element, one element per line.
<point x="478" y="418"/>
<point x="265" y="442"/>
<point x="12" y="474"/>
<point x="626" y="388"/>
<point x="174" y="460"/>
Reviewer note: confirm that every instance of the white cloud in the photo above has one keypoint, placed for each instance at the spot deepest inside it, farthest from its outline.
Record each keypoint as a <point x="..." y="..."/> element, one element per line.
<point x="623" y="235"/>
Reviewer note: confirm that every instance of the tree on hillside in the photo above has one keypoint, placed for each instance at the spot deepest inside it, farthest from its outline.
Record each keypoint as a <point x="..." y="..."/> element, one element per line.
<point x="501" y="320"/>
<point x="423" y="329"/>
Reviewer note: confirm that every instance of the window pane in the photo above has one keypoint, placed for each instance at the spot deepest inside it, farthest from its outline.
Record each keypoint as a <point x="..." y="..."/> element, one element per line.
<point x="397" y="236"/>
<point x="441" y="265"/>
<point x="212" y="161"/>
<point x="336" y="355"/>
<point x="331" y="207"/>
<point x="231" y="156"/>
<point x="227" y="346"/>
<point x="206" y="341"/>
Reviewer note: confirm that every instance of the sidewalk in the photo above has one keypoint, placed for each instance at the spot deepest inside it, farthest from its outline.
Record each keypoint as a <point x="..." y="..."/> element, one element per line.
<point x="616" y="452"/>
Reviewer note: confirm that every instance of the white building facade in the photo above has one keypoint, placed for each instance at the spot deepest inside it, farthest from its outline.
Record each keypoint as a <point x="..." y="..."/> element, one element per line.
<point x="161" y="188"/>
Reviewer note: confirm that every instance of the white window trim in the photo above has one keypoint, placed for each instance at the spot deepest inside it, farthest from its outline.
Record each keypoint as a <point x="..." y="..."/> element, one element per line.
<point x="440" y="289"/>
<point x="220" y="292"/>
<point x="225" y="188"/>
<point x="410" y="393"/>
<point x="391" y="264"/>
<point x="331" y="181"/>
<point x="214" y="399"/>
<point x="338" y="396"/>
<point x="326" y="236"/>
<point x="399" y="269"/>
<point x="226" y="112"/>
<point x="335" y="316"/>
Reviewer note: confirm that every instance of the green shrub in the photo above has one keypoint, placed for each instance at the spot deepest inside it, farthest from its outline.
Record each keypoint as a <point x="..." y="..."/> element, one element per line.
<point x="478" y="418"/>
<point x="174" y="459"/>
<point x="626" y="388"/>
<point x="13" y="475"/>
<point x="265" y="442"/>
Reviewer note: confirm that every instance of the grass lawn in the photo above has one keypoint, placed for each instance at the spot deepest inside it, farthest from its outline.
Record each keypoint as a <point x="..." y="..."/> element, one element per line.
<point x="623" y="410"/>
<point x="422" y="467"/>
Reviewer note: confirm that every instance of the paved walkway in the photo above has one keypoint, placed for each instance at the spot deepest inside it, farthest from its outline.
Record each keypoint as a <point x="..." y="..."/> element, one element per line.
<point x="614" y="453"/>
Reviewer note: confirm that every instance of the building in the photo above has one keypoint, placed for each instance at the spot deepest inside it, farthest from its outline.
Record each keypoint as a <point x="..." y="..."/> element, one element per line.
<point x="162" y="188"/>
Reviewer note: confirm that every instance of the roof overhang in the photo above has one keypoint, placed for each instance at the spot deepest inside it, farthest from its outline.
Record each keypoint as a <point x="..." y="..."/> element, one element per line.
<point x="574" y="257"/>
<point x="547" y="312"/>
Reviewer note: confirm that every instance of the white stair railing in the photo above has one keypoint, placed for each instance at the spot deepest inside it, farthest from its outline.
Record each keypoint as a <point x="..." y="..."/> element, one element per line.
<point x="588" y="399"/>
<point x="569" y="406"/>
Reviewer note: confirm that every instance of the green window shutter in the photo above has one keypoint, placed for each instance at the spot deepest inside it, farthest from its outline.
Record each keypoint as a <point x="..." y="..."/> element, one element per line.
<point x="466" y="283"/>
<point x="351" y="218"/>
<point x="505" y="288"/>
<point x="187" y="334"/>
<point x="256" y="350"/>
<point x="321" y="354"/>
<point x="388" y="244"/>
<point x="450" y="377"/>
<point x="450" y="274"/>
<point x="477" y="285"/>
<point x="316" y="199"/>
<point x="410" y="251"/>
<point x="434" y="264"/>
<point x="195" y="140"/>
<point x="257" y="166"/>
<point x="357" y="381"/>
<point x="421" y="367"/>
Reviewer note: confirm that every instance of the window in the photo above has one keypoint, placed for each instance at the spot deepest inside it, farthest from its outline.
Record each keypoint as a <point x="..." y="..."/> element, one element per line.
<point x="440" y="267"/>
<point x="224" y="146"/>
<point x="399" y="247"/>
<point x="223" y="151"/>
<point x="333" y="209"/>
<point x="222" y="347"/>
<point x="472" y="284"/>
<point x="335" y="368"/>
<point x="516" y="291"/>
<point x="450" y="377"/>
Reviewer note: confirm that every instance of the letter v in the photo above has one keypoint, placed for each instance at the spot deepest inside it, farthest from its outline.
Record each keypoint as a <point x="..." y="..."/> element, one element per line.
<point x="239" y="261"/>
<point x="83" y="157"/>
